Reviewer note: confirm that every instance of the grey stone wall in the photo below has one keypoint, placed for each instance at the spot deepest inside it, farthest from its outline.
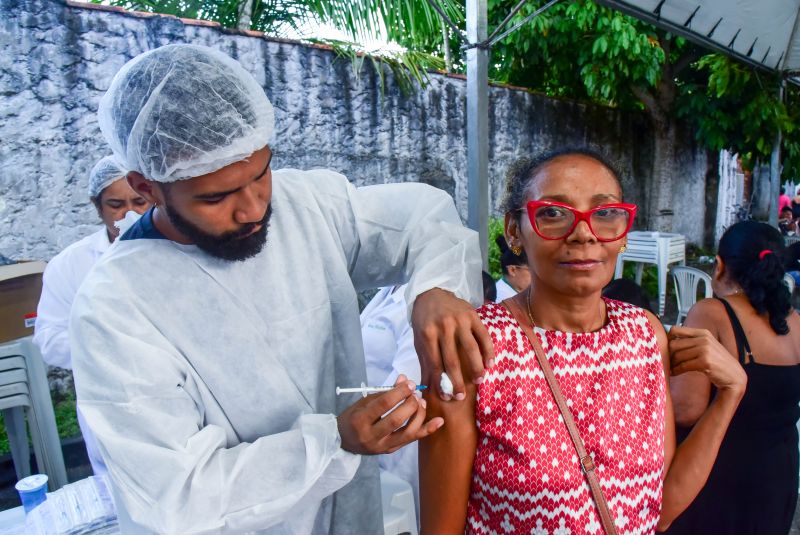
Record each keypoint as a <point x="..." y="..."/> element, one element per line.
<point x="57" y="58"/>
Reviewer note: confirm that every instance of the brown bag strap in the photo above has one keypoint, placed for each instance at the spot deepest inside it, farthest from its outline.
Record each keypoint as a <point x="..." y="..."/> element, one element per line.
<point x="587" y="463"/>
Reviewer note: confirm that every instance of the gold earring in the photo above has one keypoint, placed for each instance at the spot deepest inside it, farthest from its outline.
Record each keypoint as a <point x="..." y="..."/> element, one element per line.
<point x="623" y="248"/>
<point x="516" y="249"/>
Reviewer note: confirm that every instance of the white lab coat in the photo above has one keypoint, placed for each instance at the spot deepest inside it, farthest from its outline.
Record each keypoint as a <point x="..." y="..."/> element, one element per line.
<point x="388" y="352"/>
<point x="211" y="384"/>
<point x="504" y="290"/>
<point x="388" y="338"/>
<point x="61" y="280"/>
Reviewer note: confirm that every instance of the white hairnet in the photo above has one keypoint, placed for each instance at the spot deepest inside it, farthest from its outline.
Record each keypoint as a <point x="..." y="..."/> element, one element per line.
<point x="182" y="111"/>
<point x="103" y="174"/>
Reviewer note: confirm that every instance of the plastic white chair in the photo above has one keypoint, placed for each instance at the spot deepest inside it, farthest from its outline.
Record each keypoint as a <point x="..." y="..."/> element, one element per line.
<point x="659" y="248"/>
<point x="687" y="279"/>
<point x="399" y="511"/>
<point x="24" y="391"/>
<point x="788" y="280"/>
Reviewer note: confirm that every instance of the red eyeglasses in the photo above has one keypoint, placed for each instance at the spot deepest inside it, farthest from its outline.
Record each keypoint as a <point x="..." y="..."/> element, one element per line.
<point x="555" y="221"/>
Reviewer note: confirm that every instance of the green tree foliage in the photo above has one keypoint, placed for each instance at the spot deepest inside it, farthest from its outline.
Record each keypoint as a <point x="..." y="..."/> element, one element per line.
<point x="412" y="24"/>
<point x="581" y="50"/>
<point x="275" y="17"/>
<point x="577" y="50"/>
<point x="495" y="230"/>
<point x="736" y="107"/>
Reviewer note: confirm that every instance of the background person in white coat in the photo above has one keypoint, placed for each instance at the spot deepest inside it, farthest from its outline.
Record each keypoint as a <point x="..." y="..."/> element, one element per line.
<point x="112" y="197"/>
<point x="390" y="355"/>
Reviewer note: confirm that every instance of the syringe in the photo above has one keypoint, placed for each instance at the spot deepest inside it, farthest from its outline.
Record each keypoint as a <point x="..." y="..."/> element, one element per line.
<point x="364" y="389"/>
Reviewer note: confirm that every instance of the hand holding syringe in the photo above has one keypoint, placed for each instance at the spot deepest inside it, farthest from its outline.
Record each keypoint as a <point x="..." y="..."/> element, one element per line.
<point x="386" y="420"/>
<point x="364" y="389"/>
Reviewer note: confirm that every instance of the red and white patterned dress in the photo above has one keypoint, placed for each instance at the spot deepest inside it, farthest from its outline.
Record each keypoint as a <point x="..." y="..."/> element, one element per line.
<point x="526" y="477"/>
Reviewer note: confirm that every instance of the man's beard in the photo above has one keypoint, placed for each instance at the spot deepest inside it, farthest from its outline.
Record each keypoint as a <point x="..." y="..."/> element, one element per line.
<point x="236" y="245"/>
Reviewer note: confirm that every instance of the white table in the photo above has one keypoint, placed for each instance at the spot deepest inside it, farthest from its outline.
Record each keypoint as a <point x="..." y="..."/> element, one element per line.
<point x="659" y="248"/>
<point x="12" y="521"/>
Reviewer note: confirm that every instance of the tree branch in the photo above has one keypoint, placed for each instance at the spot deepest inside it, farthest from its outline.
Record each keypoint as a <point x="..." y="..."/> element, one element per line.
<point x="686" y="60"/>
<point x="650" y="102"/>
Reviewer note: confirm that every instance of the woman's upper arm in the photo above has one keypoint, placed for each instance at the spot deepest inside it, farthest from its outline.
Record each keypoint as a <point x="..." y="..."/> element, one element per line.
<point x="691" y="392"/>
<point x="445" y="464"/>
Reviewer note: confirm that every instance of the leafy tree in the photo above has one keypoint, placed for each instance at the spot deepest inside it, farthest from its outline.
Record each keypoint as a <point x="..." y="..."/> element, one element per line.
<point x="585" y="51"/>
<point x="737" y="108"/>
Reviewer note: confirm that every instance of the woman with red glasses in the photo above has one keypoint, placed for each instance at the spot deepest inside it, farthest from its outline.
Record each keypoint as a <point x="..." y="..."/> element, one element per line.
<point x="572" y="429"/>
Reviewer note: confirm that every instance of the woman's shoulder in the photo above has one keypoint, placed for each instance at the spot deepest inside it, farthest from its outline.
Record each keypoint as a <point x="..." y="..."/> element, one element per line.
<point x="706" y="313"/>
<point x="498" y="320"/>
<point x="492" y="312"/>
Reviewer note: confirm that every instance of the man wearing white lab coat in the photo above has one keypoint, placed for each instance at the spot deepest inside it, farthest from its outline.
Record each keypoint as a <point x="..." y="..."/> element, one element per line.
<point x="209" y="341"/>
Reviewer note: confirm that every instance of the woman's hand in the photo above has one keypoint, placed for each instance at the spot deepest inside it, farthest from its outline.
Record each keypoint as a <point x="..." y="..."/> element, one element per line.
<point x="444" y="327"/>
<point x="696" y="350"/>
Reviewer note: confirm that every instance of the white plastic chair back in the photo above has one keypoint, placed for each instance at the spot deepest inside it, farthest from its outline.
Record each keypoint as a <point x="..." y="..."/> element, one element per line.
<point x="399" y="511"/>
<point x="789" y="281"/>
<point x="687" y="279"/>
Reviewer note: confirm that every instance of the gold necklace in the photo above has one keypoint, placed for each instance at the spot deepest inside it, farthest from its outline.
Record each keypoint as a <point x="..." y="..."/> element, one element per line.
<point x="528" y="308"/>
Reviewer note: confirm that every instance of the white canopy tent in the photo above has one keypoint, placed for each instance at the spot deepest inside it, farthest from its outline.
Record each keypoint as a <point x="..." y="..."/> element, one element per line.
<point x="762" y="33"/>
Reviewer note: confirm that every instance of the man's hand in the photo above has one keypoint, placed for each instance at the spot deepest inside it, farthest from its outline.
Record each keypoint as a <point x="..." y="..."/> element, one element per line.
<point x="696" y="350"/>
<point x="444" y="327"/>
<point x="367" y="429"/>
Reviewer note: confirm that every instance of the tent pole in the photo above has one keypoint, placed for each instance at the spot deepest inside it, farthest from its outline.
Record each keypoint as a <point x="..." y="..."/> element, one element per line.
<point x="478" y="123"/>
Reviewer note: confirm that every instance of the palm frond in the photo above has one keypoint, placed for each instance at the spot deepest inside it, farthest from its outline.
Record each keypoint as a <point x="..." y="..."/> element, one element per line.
<point x="409" y="68"/>
<point x="413" y="24"/>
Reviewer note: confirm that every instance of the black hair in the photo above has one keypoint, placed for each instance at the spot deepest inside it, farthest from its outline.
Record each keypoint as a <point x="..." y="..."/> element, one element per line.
<point x="628" y="291"/>
<point x="523" y="170"/>
<point x="759" y="273"/>
<point x="489" y="288"/>
<point x="507" y="256"/>
<point x="791" y="257"/>
<point x="783" y="190"/>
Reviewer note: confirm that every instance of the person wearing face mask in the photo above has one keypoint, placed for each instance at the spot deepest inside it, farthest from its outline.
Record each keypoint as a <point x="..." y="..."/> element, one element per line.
<point x="112" y="198"/>
<point x="572" y="429"/>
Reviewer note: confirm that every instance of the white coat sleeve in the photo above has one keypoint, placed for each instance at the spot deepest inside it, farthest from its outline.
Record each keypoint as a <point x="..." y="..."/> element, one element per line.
<point x="51" y="333"/>
<point x="173" y="470"/>
<point x="412" y="233"/>
<point x="405" y="359"/>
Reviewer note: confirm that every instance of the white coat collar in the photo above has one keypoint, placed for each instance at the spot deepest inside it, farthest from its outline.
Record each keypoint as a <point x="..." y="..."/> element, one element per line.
<point x="99" y="241"/>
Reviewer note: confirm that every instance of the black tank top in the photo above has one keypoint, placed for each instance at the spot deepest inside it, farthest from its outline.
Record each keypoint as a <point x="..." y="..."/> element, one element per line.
<point x="752" y="489"/>
<point x="770" y="402"/>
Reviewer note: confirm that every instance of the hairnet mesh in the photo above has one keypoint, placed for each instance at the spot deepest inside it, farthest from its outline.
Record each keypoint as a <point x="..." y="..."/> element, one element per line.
<point x="182" y="111"/>
<point x="103" y="174"/>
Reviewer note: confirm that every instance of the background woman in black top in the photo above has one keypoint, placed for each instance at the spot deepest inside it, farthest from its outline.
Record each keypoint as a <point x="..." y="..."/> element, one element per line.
<point x="753" y="486"/>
